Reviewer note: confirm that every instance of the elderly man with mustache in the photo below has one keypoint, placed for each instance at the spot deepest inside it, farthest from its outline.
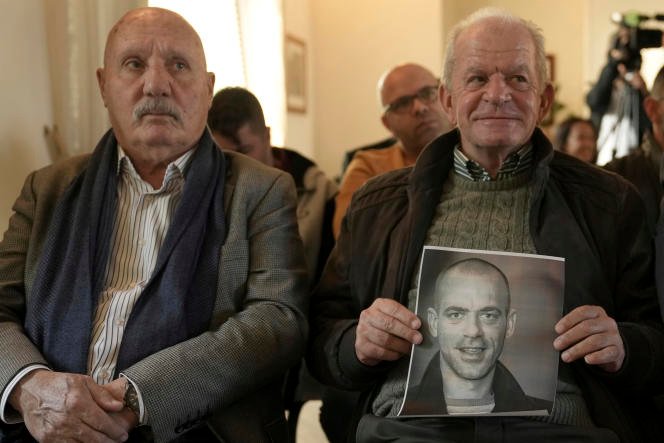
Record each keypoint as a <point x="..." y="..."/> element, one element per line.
<point x="153" y="290"/>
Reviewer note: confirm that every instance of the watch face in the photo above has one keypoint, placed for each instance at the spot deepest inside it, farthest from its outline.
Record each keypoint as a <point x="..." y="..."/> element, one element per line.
<point x="131" y="399"/>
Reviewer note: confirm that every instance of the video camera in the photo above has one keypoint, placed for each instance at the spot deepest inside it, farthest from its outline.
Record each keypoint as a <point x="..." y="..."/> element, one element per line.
<point x="632" y="37"/>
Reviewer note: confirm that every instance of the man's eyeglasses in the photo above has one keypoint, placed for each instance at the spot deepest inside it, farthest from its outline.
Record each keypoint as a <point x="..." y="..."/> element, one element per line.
<point x="402" y="105"/>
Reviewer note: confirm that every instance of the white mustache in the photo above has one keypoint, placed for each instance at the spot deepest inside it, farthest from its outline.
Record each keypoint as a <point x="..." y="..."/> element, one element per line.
<point x="155" y="106"/>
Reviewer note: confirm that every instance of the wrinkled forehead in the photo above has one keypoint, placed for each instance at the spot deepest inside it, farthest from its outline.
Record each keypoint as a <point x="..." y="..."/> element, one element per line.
<point x="144" y="28"/>
<point x="493" y="39"/>
<point x="463" y="286"/>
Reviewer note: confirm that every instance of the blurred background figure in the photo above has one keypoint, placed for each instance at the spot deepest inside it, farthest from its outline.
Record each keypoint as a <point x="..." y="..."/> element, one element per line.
<point x="616" y="100"/>
<point x="237" y="123"/>
<point x="643" y="166"/>
<point x="577" y="137"/>
<point x="412" y="112"/>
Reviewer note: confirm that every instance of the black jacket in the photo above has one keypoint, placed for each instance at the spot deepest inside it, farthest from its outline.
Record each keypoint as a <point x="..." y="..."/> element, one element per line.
<point x="591" y="217"/>
<point x="426" y="398"/>
<point x="640" y="168"/>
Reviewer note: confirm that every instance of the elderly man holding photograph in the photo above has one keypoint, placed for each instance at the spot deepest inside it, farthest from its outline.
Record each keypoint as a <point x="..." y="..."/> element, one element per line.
<point x="495" y="184"/>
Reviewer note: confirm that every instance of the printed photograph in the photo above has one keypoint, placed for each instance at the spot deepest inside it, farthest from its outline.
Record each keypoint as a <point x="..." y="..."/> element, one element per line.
<point x="488" y="324"/>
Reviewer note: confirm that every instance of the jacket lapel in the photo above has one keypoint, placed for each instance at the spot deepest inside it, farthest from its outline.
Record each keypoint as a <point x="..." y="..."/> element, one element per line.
<point x="424" y="190"/>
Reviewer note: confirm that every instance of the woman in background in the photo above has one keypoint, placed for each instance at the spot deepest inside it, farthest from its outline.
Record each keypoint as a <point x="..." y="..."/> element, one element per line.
<point x="577" y="137"/>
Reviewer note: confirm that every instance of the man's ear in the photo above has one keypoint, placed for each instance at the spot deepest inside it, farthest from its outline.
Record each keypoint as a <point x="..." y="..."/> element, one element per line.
<point x="511" y="323"/>
<point x="432" y="321"/>
<point x="651" y="106"/>
<point x="268" y="136"/>
<point x="446" y="102"/>
<point x="101" y="82"/>
<point x="210" y="82"/>
<point x="546" y="101"/>
<point x="386" y="122"/>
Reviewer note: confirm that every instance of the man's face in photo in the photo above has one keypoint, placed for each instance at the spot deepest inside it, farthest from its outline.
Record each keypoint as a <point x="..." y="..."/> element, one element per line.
<point x="471" y="322"/>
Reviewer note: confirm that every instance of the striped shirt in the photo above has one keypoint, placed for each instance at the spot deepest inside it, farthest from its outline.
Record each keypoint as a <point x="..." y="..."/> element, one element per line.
<point x="516" y="163"/>
<point x="142" y="219"/>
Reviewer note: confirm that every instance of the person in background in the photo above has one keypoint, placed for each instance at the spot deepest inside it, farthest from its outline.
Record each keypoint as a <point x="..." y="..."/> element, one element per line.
<point x="408" y="95"/>
<point x="577" y="137"/>
<point x="154" y="290"/>
<point x="643" y="166"/>
<point x="616" y="100"/>
<point x="237" y="124"/>
<point x="496" y="184"/>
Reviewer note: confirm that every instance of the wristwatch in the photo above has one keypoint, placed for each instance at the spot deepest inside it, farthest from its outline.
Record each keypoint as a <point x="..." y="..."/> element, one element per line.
<point x="131" y="399"/>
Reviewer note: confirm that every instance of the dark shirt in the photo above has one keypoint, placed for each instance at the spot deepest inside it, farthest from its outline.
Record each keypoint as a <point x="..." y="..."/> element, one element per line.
<point x="426" y="398"/>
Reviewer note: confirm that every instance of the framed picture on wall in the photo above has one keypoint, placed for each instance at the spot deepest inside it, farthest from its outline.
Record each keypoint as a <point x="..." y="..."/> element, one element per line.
<point x="295" y="52"/>
<point x="551" y="67"/>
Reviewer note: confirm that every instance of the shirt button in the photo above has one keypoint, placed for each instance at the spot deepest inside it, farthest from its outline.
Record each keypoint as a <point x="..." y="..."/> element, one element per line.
<point x="120" y="322"/>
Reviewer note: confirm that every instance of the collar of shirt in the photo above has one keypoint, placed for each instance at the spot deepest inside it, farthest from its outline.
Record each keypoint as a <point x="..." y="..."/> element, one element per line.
<point x="175" y="172"/>
<point x="516" y="163"/>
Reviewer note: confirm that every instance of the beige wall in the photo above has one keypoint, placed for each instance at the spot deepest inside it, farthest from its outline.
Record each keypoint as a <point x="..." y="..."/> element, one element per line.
<point x="25" y="92"/>
<point x="356" y="41"/>
<point x="300" y="126"/>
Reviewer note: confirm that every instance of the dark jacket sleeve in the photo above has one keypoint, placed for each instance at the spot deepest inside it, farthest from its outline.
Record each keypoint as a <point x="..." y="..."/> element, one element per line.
<point x="637" y="310"/>
<point x="599" y="96"/>
<point x="335" y="309"/>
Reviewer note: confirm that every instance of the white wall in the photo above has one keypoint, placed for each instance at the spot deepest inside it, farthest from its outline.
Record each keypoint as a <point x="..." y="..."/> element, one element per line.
<point x="25" y="92"/>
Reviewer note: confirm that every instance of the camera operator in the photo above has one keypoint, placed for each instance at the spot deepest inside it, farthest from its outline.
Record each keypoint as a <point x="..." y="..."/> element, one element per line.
<point x="616" y="100"/>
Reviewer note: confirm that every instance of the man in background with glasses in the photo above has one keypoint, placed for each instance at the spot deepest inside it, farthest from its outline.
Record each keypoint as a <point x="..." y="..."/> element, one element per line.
<point x="412" y="112"/>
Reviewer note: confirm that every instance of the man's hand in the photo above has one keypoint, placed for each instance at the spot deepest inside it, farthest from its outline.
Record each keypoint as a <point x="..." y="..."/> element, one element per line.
<point x="61" y="407"/>
<point x="126" y="417"/>
<point x="633" y="78"/>
<point x="588" y="333"/>
<point x="386" y="330"/>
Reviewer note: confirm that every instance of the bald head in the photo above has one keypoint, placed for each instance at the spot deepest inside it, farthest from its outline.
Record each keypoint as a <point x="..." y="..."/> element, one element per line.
<point x="395" y="78"/>
<point x="654" y="108"/>
<point x="474" y="269"/>
<point x="412" y="112"/>
<point x="147" y="18"/>
<point x="657" y="89"/>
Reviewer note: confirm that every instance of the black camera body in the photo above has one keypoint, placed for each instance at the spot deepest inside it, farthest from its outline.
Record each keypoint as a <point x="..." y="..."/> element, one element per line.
<point x="632" y="38"/>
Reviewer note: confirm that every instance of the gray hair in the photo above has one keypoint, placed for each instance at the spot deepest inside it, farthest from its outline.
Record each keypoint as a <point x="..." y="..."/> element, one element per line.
<point x="505" y="17"/>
